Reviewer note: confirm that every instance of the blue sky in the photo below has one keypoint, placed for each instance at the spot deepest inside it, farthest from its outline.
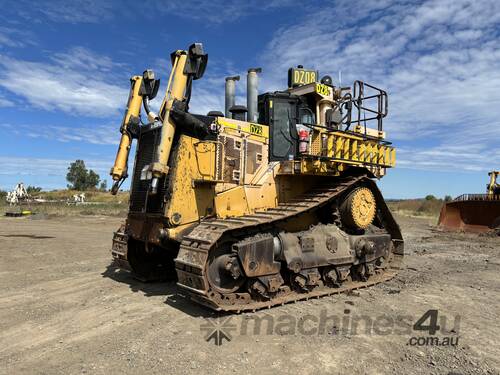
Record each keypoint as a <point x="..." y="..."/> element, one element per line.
<point x="65" y="66"/>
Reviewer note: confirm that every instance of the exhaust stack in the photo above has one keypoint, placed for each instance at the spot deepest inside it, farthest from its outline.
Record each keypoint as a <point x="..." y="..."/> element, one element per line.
<point x="252" y="93"/>
<point x="230" y="94"/>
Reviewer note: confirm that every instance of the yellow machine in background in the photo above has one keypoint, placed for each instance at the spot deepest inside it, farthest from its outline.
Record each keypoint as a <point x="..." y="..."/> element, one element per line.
<point x="474" y="212"/>
<point x="249" y="214"/>
<point x="493" y="188"/>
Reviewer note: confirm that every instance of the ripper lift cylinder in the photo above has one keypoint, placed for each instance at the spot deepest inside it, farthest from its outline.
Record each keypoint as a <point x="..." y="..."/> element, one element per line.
<point x="119" y="170"/>
<point x="175" y="91"/>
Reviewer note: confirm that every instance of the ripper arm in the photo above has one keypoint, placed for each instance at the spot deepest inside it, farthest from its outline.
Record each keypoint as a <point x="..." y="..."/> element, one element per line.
<point x="142" y="89"/>
<point x="187" y="66"/>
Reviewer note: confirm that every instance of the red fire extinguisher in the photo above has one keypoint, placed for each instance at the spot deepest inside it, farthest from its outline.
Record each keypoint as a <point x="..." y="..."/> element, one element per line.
<point x="303" y="141"/>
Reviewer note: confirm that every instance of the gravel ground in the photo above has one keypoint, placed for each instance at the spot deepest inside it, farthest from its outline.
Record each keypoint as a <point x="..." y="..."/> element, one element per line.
<point x="65" y="310"/>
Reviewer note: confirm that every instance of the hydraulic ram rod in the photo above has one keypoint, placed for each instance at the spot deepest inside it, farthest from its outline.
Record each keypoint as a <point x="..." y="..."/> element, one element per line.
<point x="132" y="113"/>
<point x="175" y="91"/>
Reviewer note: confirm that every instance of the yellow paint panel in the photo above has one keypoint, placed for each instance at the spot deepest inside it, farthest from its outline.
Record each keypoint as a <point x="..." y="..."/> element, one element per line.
<point x="205" y="159"/>
<point x="330" y="146"/>
<point x="362" y="152"/>
<point x="338" y="147"/>
<point x="346" y="148"/>
<point x="245" y="127"/>
<point x="355" y="150"/>
<point x="374" y="153"/>
<point x="345" y="135"/>
<point x="188" y="201"/>
<point x="381" y="153"/>
<point x="368" y="156"/>
<point x="231" y="202"/>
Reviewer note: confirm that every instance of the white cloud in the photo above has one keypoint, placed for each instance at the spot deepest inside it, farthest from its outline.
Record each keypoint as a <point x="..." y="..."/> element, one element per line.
<point x="4" y="102"/>
<point x="207" y="98"/>
<point x="104" y="134"/>
<point x="13" y="37"/>
<point x="439" y="62"/>
<point x="80" y="58"/>
<point x="216" y="11"/>
<point x="75" y="83"/>
<point x="62" y="11"/>
<point x="98" y="11"/>
<point x="207" y="92"/>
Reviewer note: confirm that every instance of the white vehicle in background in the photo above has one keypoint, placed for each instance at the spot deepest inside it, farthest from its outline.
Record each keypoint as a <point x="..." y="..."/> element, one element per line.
<point x="79" y="198"/>
<point x="17" y="195"/>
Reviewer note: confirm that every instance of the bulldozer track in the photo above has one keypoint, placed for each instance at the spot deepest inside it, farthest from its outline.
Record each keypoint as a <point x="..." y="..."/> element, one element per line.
<point x="196" y="247"/>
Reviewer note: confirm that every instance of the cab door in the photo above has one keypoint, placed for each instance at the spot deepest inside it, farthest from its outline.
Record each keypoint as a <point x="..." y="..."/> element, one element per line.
<point x="282" y="128"/>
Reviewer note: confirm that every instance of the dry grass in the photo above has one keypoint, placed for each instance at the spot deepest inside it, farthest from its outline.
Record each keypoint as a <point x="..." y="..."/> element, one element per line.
<point x="91" y="196"/>
<point x="98" y="204"/>
<point x="417" y="207"/>
<point x="105" y="204"/>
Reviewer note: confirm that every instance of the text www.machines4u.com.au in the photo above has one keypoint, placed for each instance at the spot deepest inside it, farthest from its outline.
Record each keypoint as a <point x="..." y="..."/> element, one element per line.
<point x="430" y="329"/>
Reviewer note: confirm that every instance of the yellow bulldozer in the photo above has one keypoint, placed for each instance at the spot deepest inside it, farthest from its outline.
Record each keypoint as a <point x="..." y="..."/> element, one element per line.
<point x="475" y="213"/>
<point x="265" y="204"/>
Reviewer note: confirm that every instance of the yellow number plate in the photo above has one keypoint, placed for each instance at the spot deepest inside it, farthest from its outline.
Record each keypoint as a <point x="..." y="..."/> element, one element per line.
<point x="300" y="77"/>
<point x="322" y="89"/>
<point x="256" y="129"/>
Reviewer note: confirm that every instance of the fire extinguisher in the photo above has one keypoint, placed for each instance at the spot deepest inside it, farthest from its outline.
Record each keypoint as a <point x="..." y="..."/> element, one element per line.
<point x="303" y="141"/>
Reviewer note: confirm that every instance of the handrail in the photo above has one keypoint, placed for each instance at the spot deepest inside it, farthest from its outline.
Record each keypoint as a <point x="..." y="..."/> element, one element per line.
<point x="382" y="103"/>
<point x="477" y="197"/>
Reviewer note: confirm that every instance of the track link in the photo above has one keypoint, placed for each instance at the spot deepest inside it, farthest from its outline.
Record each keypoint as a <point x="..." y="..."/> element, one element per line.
<point x="119" y="251"/>
<point x="196" y="247"/>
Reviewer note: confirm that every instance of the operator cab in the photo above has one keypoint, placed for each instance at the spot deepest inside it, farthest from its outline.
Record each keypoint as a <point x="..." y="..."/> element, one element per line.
<point x="293" y="112"/>
<point x="307" y="108"/>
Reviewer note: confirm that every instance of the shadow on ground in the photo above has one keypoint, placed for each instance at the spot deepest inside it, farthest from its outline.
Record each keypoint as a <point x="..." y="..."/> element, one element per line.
<point x="32" y="236"/>
<point x="167" y="289"/>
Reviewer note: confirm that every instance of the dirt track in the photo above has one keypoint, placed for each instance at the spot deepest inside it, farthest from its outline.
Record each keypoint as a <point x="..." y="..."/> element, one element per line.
<point x="64" y="310"/>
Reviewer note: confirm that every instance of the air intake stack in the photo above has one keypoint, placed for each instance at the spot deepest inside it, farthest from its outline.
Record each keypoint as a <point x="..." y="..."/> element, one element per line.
<point x="230" y="94"/>
<point x="252" y="93"/>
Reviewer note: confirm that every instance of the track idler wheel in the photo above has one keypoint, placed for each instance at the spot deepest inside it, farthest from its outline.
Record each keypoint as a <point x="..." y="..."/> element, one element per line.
<point x="224" y="274"/>
<point x="358" y="210"/>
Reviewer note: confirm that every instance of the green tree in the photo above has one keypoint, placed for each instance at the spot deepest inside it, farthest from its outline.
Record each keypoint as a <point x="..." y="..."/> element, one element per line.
<point x="33" y="189"/>
<point x="80" y="178"/>
<point x="430" y="197"/>
<point x="103" y="186"/>
<point x="448" y="198"/>
<point x="92" y="179"/>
